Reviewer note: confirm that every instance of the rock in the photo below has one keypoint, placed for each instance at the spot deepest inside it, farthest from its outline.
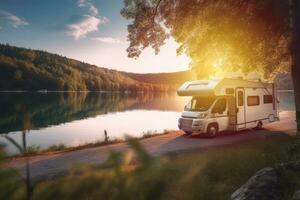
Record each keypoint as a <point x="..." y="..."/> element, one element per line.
<point x="296" y="196"/>
<point x="264" y="184"/>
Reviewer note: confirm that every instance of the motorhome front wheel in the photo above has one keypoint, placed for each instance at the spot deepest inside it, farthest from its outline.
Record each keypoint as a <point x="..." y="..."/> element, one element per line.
<point x="212" y="130"/>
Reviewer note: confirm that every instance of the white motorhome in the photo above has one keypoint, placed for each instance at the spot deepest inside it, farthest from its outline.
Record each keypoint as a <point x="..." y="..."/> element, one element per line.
<point x="227" y="104"/>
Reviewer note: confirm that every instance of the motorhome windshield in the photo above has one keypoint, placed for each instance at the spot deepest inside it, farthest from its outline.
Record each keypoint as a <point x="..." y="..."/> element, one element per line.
<point x="199" y="104"/>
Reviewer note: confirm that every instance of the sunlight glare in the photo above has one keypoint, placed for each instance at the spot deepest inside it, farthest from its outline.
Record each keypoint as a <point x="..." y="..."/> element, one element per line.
<point x="218" y="63"/>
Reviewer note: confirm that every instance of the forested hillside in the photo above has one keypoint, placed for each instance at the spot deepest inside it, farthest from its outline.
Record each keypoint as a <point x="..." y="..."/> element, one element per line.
<point x="173" y="78"/>
<point x="26" y="69"/>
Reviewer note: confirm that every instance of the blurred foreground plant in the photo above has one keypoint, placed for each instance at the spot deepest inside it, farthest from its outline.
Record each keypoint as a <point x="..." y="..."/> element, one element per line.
<point x="121" y="177"/>
<point x="213" y="174"/>
<point x="11" y="185"/>
<point x="294" y="150"/>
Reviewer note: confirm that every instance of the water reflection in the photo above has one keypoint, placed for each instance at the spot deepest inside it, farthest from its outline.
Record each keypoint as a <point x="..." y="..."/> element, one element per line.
<point x="57" y="108"/>
<point x="77" y="118"/>
<point x="74" y="119"/>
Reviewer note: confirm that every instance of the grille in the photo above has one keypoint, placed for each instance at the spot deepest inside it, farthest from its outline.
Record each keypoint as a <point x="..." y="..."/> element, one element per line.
<point x="186" y="122"/>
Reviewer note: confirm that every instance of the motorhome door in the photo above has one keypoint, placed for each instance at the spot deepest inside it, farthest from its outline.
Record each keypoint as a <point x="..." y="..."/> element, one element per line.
<point x="240" y="103"/>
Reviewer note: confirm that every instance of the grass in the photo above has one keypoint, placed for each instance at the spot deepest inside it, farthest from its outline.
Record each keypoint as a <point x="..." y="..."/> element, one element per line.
<point x="32" y="149"/>
<point x="212" y="174"/>
<point x="208" y="174"/>
<point x="11" y="185"/>
<point x="217" y="173"/>
<point x="292" y="181"/>
<point x="35" y="150"/>
<point x="56" y="147"/>
<point x="150" y="134"/>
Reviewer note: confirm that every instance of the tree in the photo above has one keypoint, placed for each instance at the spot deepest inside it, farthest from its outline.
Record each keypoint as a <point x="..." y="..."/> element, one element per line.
<point x="295" y="52"/>
<point x="18" y="75"/>
<point x="232" y="35"/>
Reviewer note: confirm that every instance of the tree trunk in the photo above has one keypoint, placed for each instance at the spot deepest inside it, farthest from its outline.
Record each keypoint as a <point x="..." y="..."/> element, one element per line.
<point x="295" y="50"/>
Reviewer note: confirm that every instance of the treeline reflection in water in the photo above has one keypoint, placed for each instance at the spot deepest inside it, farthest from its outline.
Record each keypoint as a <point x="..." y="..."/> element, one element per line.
<point x="71" y="117"/>
<point x="57" y="108"/>
<point x="76" y="118"/>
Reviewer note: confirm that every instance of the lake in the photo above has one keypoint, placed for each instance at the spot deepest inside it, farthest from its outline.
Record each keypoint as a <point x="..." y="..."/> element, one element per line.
<point x="74" y="119"/>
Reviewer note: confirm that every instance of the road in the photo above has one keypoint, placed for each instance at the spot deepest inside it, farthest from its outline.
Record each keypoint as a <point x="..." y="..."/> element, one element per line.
<point x="48" y="166"/>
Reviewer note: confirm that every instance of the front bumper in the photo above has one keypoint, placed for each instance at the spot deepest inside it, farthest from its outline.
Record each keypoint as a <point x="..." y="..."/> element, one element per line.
<point x="190" y="124"/>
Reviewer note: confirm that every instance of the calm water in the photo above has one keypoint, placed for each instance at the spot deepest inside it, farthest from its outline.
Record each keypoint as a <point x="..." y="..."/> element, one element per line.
<point x="77" y="118"/>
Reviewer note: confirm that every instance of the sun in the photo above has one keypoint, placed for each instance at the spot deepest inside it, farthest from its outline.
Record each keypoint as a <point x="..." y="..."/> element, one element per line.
<point x="218" y="63"/>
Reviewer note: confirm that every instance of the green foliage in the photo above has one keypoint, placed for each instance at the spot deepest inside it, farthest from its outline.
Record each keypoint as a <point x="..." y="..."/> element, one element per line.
<point x="291" y="176"/>
<point x="57" y="147"/>
<point x="213" y="174"/>
<point x="26" y="69"/>
<point x="11" y="186"/>
<point x="294" y="150"/>
<point x="32" y="149"/>
<point x="118" y="179"/>
<point x="235" y="34"/>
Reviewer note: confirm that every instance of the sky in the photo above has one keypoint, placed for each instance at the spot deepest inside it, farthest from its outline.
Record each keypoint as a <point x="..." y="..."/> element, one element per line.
<point x="92" y="31"/>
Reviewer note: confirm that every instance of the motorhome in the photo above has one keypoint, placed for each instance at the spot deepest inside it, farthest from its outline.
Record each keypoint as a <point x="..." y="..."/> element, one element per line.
<point x="227" y="104"/>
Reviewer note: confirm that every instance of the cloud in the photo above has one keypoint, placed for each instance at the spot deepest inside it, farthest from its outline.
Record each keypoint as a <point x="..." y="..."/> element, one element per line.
<point x="81" y="2"/>
<point x="109" y="40"/>
<point x="92" y="9"/>
<point x="13" y="20"/>
<point x="87" y="23"/>
<point x="85" y="26"/>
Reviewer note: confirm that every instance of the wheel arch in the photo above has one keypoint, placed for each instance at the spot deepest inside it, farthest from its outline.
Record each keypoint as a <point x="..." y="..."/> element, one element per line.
<point x="212" y="123"/>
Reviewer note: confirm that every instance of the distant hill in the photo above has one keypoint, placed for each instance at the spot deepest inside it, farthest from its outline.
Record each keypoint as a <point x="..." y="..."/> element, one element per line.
<point x="26" y="69"/>
<point x="33" y="70"/>
<point x="283" y="81"/>
<point x="174" y="78"/>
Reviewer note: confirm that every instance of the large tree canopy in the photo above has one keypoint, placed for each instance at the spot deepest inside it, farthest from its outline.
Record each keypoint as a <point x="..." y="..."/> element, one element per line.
<point x="250" y="35"/>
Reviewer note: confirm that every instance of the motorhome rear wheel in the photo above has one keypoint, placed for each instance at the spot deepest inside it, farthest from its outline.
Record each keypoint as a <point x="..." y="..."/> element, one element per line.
<point x="259" y="125"/>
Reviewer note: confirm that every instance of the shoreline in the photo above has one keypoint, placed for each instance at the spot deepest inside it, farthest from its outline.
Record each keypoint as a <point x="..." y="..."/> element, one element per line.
<point x="286" y="121"/>
<point x="64" y="149"/>
<point x="51" y="165"/>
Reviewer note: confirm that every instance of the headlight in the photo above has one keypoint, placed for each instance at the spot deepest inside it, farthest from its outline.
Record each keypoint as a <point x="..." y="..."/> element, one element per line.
<point x="197" y="123"/>
<point x="202" y="115"/>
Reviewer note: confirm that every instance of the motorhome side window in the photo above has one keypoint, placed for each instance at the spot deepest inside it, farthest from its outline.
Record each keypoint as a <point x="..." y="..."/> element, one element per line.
<point x="253" y="100"/>
<point x="268" y="98"/>
<point x="220" y="106"/>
